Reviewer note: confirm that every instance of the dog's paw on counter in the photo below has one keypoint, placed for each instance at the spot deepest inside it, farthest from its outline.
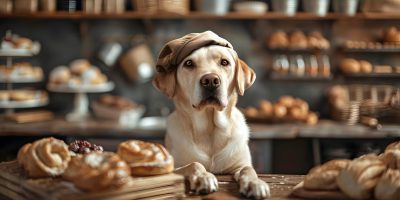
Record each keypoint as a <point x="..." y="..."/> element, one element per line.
<point x="203" y="183"/>
<point x="254" y="188"/>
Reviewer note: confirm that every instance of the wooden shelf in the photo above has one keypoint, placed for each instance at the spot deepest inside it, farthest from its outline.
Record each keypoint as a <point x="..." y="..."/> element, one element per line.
<point x="197" y="15"/>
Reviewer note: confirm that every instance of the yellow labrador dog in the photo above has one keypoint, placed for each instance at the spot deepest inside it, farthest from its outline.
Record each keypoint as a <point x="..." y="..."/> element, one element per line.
<point x="206" y="133"/>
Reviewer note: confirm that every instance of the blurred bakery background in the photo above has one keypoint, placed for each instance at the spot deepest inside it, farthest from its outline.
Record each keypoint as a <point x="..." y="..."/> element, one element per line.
<point x="328" y="72"/>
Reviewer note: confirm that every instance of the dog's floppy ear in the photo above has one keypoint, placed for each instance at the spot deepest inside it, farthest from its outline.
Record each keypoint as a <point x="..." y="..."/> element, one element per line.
<point x="166" y="83"/>
<point x="244" y="76"/>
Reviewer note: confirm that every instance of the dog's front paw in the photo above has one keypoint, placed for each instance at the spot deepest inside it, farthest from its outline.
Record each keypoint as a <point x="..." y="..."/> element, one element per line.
<point x="255" y="188"/>
<point x="203" y="183"/>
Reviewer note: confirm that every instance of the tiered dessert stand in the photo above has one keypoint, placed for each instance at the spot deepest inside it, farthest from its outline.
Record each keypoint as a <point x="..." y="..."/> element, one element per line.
<point x="9" y="55"/>
<point x="81" y="101"/>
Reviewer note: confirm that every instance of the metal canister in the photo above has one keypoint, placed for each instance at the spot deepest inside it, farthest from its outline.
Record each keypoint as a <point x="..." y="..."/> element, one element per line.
<point x="288" y="7"/>
<point x="318" y="7"/>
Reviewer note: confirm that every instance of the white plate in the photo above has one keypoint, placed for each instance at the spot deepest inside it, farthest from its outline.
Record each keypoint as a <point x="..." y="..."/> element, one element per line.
<point x="37" y="102"/>
<point x="20" y="79"/>
<point x="105" y="87"/>
<point x="21" y="52"/>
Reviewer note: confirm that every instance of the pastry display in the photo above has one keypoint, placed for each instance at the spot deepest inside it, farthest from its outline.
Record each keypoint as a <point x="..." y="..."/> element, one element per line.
<point x="20" y="70"/>
<point x="353" y="66"/>
<point x="360" y="177"/>
<point x="323" y="177"/>
<point x="116" y="102"/>
<point x="47" y="157"/>
<point x="80" y="72"/>
<point x="146" y="158"/>
<point x="22" y="96"/>
<point x="12" y="42"/>
<point x="297" y="40"/>
<point x="97" y="171"/>
<point x="287" y="108"/>
<point x="388" y="187"/>
<point x="84" y="147"/>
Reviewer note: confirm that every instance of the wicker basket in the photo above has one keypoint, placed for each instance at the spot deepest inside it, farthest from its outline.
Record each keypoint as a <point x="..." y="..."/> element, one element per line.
<point x="153" y="6"/>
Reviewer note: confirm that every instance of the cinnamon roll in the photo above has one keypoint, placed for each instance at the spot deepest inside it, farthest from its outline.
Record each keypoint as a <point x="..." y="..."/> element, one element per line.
<point x="146" y="158"/>
<point x="97" y="171"/>
<point x="47" y="157"/>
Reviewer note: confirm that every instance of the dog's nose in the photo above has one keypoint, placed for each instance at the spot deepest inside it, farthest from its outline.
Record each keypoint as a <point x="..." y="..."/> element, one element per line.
<point x="210" y="81"/>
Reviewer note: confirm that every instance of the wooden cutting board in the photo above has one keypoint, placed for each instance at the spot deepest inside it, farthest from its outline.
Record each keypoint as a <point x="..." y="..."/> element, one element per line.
<point x="15" y="184"/>
<point x="299" y="191"/>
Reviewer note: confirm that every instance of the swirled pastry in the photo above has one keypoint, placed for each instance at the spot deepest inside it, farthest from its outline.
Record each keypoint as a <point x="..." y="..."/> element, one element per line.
<point x="44" y="158"/>
<point x="323" y="177"/>
<point x="146" y="158"/>
<point x="360" y="177"/>
<point x="388" y="187"/>
<point x="97" y="171"/>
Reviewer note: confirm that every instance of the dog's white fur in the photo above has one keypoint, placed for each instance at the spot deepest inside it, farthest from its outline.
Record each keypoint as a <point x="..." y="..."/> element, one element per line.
<point x="210" y="138"/>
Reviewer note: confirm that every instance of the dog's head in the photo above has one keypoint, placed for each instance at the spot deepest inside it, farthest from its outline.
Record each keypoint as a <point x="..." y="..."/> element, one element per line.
<point x="207" y="77"/>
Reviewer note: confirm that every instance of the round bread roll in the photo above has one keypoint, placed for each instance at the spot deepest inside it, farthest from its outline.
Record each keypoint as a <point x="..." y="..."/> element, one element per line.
<point x="47" y="157"/>
<point x="298" y="40"/>
<point x="146" y="159"/>
<point x="388" y="187"/>
<point x="79" y="66"/>
<point x="302" y="105"/>
<point x="22" y="43"/>
<point x="286" y="101"/>
<point x="60" y="75"/>
<point x="98" y="171"/>
<point x="280" y="111"/>
<point x="360" y="177"/>
<point x="392" y="35"/>
<point x="278" y="39"/>
<point x="295" y="113"/>
<point x="323" y="177"/>
<point x="365" y="66"/>
<point x="266" y="108"/>
<point x="4" y="96"/>
<point x="350" y="66"/>
<point x="251" y="112"/>
<point x="312" y="118"/>
<point x="22" y="95"/>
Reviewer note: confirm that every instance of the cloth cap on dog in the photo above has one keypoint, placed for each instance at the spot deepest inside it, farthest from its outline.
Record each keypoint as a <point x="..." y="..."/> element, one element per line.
<point x="176" y="50"/>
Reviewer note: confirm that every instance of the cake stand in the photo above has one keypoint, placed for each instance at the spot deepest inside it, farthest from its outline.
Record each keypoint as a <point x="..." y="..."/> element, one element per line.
<point x="9" y="54"/>
<point x="81" y="100"/>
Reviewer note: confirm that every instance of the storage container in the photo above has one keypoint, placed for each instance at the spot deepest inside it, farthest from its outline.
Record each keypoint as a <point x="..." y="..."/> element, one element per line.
<point x="26" y="6"/>
<point x="288" y="7"/>
<point x="318" y="7"/>
<point x="48" y="5"/>
<point x="114" y="6"/>
<point x="219" y="7"/>
<point x="154" y="6"/>
<point x="6" y="6"/>
<point x="92" y="6"/>
<point x="347" y="7"/>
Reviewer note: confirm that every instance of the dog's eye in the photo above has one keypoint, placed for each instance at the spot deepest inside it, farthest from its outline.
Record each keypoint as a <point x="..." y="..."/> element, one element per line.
<point x="224" y="62"/>
<point x="189" y="63"/>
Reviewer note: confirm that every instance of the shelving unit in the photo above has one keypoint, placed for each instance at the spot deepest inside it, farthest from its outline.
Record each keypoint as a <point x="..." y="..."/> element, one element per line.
<point x="198" y="15"/>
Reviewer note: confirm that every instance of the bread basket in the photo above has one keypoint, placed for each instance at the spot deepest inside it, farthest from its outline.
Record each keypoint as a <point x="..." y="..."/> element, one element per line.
<point x="154" y="6"/>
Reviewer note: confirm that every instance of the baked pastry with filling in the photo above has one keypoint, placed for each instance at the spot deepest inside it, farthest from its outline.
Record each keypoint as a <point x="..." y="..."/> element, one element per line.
<point x="98" y="171"/>
<point x="146" y="158"/>
<point x="360" y="177"/>
<point x="388" y="187"/>
<point x="323" y="177"/>
<point x="47" y="157"/>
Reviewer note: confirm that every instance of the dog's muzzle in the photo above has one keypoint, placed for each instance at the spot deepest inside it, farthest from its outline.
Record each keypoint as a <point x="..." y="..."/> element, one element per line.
<point x="210" y="93"/>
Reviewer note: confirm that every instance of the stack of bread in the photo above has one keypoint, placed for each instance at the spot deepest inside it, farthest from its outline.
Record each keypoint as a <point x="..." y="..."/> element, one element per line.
<point x="21" y="70"/>
<point x="367" y="177"/>
<point x="80" y="72"/>
<point x="298" y="40"/>
<point x="88" y="167"/>
<point x="353" y="66"/>
<point x="287" y="108"/>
